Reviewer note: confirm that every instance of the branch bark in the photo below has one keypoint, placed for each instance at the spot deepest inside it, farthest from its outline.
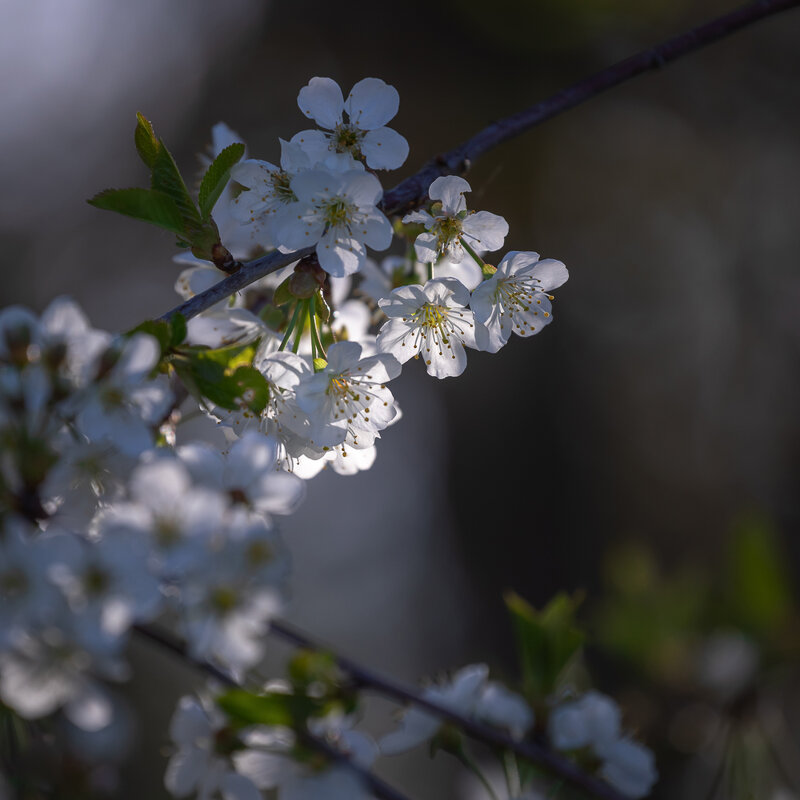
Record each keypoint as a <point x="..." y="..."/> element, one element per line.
<point x="412" y="192"/>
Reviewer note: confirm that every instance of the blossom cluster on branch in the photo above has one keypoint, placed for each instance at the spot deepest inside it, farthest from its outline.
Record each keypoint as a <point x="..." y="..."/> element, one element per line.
<point x="108" y="522"/>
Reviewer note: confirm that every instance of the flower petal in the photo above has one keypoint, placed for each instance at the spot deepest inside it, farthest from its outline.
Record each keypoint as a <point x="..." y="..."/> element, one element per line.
<point x="384" y="148"/>
<point x="372" y="103"/>
<point x="322" y="101"/>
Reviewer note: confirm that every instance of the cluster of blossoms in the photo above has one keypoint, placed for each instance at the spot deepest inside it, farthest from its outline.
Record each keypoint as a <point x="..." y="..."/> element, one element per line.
<point x="107" y="522"/>
<point x="259" y="757"/>
<point x="101" y="529"/>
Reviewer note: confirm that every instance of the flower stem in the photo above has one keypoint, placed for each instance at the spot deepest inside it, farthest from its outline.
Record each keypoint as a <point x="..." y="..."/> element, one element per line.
<point x="300" y="327"/>
<point x="470" y="763"/>
<point x="290" y="327"/>
<point x="316" y="342"/>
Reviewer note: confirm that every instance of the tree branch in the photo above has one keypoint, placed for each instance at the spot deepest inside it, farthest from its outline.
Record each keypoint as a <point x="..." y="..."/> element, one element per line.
<point x="169" y="641"/>
<point x="412" y="192"/>
<point x="530" y="750"/>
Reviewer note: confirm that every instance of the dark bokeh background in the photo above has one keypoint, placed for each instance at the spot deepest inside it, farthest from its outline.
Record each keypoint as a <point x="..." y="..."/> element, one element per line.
<point x="660" y="405"/>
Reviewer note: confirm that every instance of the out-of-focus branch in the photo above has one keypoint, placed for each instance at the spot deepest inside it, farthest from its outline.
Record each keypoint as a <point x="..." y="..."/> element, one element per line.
<point x="169" y="641"/>
<point x="412" y="192"/>
<point x="535" y="752"/>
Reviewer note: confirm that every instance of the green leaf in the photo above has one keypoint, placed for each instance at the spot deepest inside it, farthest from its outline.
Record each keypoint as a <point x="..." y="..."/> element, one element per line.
<point x="253" y="388"/>
<point x="759" y="587"/>
<point x="145" y="139"/>
<point x="158" y="330"/>
<point x="287" y="710"/>
<point x="167" y="178"/>
<point x="216" y="376"/>
<point x="283" y="294"/>
<point x="148" y="205"/>
<point x="313" y="667"/>
<point x="217" y="176"/>
<point x="177" y="325"/>
<point x="322" y="309"/>
<point x="547" y="640"/>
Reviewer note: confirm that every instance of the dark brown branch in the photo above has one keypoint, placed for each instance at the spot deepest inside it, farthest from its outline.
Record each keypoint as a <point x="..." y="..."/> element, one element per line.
<point x="169" y="641"/>
<point x="530" y="750"/>
<point x="412" y="192"/>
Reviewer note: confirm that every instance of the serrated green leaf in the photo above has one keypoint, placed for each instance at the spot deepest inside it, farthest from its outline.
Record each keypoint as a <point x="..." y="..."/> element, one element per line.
<point x="177" y="324"/>
<point x="147" y="205"/>
<point x="167" y="178"/>
<point x="217" y="176"/>
<point x="145" y="139"/>
<point x="547" y="640"/>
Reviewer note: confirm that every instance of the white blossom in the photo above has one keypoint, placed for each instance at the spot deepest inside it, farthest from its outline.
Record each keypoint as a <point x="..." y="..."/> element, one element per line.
<point x="629" y="767"/>
<point x="451" y="222"/>
<point x="432" y="322"/>
<point x="196" y="767"/>
<point x="124" y="405"/>
<point x="515" y="299"/>
<point x="348" y="401"/>
<point x="460" y="694"/>
<point x="338" y="213"/>
<point x="369" y="106"/>
<point x="249" y="473"/>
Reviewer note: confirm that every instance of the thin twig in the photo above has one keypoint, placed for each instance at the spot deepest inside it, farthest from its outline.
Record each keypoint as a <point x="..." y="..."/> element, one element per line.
<point x="169" y="641"/>
<point x="412" y="192"/>
<point x="530" y="750"/>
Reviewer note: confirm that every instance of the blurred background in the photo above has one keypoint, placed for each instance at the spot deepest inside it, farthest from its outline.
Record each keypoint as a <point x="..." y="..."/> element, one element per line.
<point x="659" y="414"/>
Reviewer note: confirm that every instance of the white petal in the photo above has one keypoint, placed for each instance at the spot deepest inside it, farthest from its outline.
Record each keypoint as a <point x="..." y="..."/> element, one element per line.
<point x="372" y="103"/>
<point x="253" y="173"/>
<point x="449" y="189"/>
<point x="322" y="101"/>
<point x="362" y="188"/>
<point x="340" y="257"/>
<point x="426" y="246"/>
<point x="237" y="787"/>
<point x="485" y="231"/>
<point x="91" y="710"/>
<point x="550" y="273"/>
<point x="384" y="148"/>
<point x="184" y="771"/>
<point x="376" y="231"/>
<point x="280" y="493"/>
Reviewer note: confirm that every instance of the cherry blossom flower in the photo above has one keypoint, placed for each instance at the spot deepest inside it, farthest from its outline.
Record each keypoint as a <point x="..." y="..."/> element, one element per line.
<point x="450" y="222"/>
<point x="197" y="767"/>
<point x="348" y="400"/>
<point x="460" y="694"/>
<point x="228" y="599"/>
<point x="629" y="767"/>
<point x="177" y="517"/>
<point x="369" y="106"/>
<point x="124" y="405"/>
<point x="432" y="322"/>
<point x="337" y="212"/>
<point x="248" y="474"/>
<point x="515" y="299"/>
